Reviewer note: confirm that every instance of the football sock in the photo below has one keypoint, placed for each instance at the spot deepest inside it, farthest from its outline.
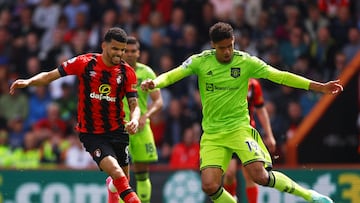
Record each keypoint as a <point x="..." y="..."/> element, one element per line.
<point x="113" y="195"/>
<point x="252" y="194"/>
<point x="126" y="193"/>
<point x="143" y="186"/>
<point x="283" y="183"/>
<point x="222" y="196"/>
<point x="231" y="188"/>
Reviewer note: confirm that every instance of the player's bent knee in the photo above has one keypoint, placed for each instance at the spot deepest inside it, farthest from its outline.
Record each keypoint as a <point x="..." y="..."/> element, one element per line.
<point x="210" y="188"/>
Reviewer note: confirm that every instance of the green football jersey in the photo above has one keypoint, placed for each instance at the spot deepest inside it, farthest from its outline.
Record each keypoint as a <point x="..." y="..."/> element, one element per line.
<point x="142" y="72"/>
<point x="223" y="87"/>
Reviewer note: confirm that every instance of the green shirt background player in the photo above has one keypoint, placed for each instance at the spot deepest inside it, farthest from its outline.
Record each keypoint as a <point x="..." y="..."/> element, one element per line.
<point x="142" y="145"/>
<point x="223" y="75"/>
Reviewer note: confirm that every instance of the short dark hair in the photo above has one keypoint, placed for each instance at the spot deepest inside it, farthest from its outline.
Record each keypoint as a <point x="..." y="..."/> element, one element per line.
<point x="220" y="31"/>
<point x="133" y="40"/>
<point x="115" y="33"/>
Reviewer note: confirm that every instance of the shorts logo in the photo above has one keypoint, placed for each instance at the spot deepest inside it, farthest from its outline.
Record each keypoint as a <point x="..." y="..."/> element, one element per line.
<point x="235" y="72"/>
<point x="97" y="153"/>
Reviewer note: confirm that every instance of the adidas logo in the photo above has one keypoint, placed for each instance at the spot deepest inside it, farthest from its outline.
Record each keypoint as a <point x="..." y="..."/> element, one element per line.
<point x="209" y="73"/>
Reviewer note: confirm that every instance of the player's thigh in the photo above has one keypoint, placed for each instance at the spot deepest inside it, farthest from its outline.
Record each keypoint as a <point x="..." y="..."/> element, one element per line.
<point x="142" y="146"/>
<point x="213" y="153"/>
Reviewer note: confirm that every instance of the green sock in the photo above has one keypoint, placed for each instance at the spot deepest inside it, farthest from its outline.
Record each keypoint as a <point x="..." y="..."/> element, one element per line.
<point x="283" y="183"/>
<point x="222" y="196"/>
<point x="143" y="186"/>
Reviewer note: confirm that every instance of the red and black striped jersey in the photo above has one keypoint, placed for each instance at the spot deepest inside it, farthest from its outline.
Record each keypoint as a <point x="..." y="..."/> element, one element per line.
<point x="100" y="92"/>
<point x="255" y="98"/>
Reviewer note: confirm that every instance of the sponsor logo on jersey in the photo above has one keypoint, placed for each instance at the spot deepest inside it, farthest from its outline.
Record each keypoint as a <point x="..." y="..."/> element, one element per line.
<point x="104" y="92"/>
<point x="211" y="87"/>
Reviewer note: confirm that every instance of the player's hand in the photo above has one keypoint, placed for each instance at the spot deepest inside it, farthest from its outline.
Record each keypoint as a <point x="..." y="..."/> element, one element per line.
<point x="270" y="143"/>
<point x="18" y="84"/>
<point x="132" y="126"/>
<point x="142" y="122"/>
<point x="333" y="87"/>
<point x="147" y="85"/>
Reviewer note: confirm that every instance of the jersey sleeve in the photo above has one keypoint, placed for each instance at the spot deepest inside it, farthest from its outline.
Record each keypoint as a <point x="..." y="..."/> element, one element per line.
<point x="263" y="70"/>
<point x="131" y="83"/>
<point x="73" y="66"/>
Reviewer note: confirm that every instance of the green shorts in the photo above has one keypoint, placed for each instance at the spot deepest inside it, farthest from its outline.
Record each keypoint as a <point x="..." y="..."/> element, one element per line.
<point x="142" y="146"/>
<point x="216" y="149"/>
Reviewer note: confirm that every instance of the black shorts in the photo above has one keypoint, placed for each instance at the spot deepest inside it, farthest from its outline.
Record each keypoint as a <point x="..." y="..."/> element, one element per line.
<point x="114" y="143"/>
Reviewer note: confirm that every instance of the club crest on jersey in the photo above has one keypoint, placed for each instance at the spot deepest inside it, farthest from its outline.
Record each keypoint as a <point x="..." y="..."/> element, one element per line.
<point x="119" y="79"/>
<point x="97" y="153"/>
<point x="235" y="72"/>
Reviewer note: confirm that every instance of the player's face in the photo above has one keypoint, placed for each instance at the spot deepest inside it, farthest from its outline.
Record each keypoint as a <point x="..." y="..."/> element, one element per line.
<point x="224" y="50"/>
<point x="113" y="52"/>
<point x="132" y="54"/>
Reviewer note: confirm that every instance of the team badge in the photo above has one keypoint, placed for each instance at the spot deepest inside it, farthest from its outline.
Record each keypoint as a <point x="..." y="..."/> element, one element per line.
<point x="235" y="72"/>
<point x="118" y="79"/>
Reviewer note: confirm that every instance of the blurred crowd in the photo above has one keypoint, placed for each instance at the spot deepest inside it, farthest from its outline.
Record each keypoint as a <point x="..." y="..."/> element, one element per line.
<point x="315" y="39"/>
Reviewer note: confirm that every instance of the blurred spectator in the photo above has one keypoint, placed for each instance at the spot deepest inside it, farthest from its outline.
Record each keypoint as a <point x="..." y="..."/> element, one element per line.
<point x="59" y="47"/>
<point x="207" y="18"/>
<point x="76" y="157"/>
<point x="38" y="101"/>
<point x="155" y="25"/>
<point x="246" y="44"/>
<point x="340" y="64"/>
<point x="46" y="16"/>
<point x="189" y="44"/>
<point x="13" y="106"/>
<point x="282" y="96"/>
<point x="5" y="45"/>
<point x="175" y="29"/>
<point x="314" y="21"/>
<point x="67" y="103"/>
<point x="163" y="7"/>
<point x="292" y="20"/>
<point x="222" y="9"/>
<point x="72" y="10"/>
<point x="156" y="50"/>
<point x="23" y="24"/>
<point x="185" y="154"/>
<point x="238" y="21"/>
<point x="25" y="48"/>
<point x="291" y="49"/>
<point x="263" y="28"/>
<point x="6" y="18"/>
<point x="98" y="7"/>
<point x="295" y="116"/>
<point x="17" y="132"/>
<point x="340" y="25"/>
<point x="97" y="31"/>
<point x="175" y="123"/>
<point x="49" y="133"/>
<point x="353" y="46"/>
<point x="331" y="7"/>
<point x="322" y="52"/>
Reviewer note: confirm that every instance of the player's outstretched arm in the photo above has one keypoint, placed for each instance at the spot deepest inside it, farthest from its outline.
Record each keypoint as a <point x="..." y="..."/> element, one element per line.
<point x="42" y="78"/>
<point x="331" y="87"/>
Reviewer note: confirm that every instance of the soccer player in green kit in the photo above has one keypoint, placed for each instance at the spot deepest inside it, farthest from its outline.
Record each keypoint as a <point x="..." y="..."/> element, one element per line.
<point x="142" y="145"/>
<point x="223" y="75"/>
